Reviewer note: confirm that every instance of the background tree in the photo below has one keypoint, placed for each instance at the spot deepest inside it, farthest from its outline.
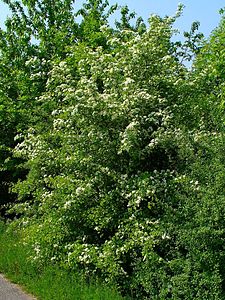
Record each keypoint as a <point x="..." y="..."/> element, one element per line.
<point x="37" y="33"/>
<point x="209" y="70"/>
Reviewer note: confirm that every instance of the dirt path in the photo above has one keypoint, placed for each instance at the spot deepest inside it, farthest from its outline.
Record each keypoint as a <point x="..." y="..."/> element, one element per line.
<point x="10" y="291"/>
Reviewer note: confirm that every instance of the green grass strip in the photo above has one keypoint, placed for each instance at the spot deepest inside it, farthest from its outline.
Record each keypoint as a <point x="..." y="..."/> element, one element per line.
<point x="50" y="282"/>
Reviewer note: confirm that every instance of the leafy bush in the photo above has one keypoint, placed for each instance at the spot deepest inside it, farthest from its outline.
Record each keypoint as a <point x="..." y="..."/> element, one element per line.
<point x="125" y="163"/>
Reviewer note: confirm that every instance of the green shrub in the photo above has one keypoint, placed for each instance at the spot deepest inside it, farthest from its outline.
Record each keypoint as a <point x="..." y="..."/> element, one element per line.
<point x="125" y="166"/>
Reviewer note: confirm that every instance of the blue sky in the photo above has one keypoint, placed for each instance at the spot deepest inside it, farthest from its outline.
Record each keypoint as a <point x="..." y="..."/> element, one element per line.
<point x="195" y="10"/>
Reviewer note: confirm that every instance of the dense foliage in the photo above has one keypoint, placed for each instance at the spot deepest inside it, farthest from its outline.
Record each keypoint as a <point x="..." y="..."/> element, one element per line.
<point x="118" y="147"/>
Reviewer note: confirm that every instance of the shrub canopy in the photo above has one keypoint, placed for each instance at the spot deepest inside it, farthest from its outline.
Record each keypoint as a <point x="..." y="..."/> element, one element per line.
<point x="118" y="147"/>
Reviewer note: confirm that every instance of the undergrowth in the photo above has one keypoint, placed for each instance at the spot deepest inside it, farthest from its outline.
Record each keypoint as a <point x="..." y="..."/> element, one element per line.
<point x="46" y="282"/>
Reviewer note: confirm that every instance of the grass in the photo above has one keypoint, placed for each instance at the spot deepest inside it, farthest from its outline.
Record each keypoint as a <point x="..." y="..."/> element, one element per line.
<point x="51" y="282"/>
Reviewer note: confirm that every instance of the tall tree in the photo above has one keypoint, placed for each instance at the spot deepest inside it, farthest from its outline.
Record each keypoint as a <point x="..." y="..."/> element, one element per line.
<point x="37" y="33"/>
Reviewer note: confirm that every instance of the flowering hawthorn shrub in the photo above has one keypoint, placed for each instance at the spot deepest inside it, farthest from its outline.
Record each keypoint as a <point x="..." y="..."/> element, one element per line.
<point x="115" y="184"/>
